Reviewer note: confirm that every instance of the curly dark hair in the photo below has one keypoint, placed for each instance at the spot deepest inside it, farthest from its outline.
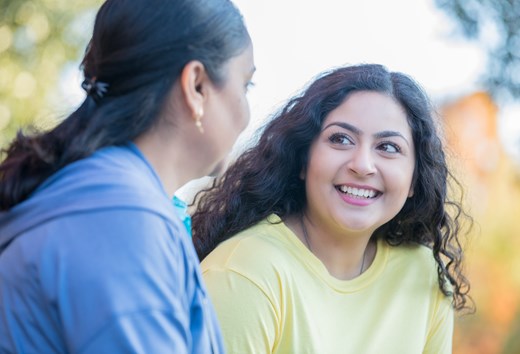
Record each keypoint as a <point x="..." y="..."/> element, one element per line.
<point x="265" y="179"/>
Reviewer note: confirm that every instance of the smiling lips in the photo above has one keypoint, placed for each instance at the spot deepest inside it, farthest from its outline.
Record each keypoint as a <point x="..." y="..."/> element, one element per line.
<point x="358" y="192"/>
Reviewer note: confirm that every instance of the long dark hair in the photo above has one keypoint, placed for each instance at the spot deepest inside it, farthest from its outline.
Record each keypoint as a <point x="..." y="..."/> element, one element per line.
<point x="265" y="179"/>
<point x="138" y="48"/>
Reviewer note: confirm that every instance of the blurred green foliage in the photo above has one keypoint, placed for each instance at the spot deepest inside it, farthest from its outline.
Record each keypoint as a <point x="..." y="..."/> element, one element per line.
<point x="37" y="39"/>
<point x="512" y="345"/>
<point x="495" y="24"/>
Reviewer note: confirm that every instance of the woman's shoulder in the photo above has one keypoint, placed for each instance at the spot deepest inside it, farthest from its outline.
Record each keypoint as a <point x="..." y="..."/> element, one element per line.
<point x="116" y="178"/>
<point x="413" y="259"/>
<point x="257" y="249"/>
<point x="408" y="252"/>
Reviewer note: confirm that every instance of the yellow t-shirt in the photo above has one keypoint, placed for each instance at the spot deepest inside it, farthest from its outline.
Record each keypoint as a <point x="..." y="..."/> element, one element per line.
<point x="272" y="295"/>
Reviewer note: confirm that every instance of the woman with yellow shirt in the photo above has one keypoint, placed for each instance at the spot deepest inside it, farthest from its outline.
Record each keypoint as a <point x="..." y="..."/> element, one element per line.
<point x="335" y="233"/>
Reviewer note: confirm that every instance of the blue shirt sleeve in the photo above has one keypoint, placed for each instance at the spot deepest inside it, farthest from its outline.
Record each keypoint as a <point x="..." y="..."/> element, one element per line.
<point x="124" y="280"/>
<point x="150" y="331"/>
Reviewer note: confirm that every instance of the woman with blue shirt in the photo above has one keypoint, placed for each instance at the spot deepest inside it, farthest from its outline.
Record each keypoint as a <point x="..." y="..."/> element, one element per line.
<point x="93" y="257"/>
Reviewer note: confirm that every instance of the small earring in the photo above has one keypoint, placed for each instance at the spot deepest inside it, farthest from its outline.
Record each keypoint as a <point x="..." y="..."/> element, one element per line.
<point x="198" y="123"/>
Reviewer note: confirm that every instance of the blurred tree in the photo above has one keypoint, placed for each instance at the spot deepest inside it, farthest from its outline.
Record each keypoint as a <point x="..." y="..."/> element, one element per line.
<point x="496" y="25"/>
<point x="512" y="345"/>
<point x="37" y="39"/>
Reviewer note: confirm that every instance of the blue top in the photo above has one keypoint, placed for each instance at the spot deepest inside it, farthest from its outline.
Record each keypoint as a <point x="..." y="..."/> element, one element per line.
<point x="181" y="209"/>
<point x="97" y="261"/>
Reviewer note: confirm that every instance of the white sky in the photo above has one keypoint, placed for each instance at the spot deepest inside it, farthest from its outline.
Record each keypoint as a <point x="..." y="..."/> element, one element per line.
<point x="294" y="40"/>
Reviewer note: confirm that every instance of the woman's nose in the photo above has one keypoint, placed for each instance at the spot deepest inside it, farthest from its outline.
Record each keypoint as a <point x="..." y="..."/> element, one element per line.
<point x="362" y="162"/>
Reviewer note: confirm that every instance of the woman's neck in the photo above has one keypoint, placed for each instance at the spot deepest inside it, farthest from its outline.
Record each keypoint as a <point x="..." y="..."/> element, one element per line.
<point x="345" y="256"/>
<point x="171" y="158"/>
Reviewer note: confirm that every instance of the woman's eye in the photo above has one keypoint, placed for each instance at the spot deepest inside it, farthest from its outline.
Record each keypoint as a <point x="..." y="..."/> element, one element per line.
<point x="390" y="147"/>
<point x="340" y="139"/>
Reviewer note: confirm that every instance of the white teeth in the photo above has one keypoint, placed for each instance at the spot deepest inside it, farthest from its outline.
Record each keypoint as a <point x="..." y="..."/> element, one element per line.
<point x="358" y="192"/>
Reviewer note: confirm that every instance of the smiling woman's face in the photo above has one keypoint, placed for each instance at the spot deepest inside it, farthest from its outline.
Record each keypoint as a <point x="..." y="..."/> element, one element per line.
<point x="360" y="166"/>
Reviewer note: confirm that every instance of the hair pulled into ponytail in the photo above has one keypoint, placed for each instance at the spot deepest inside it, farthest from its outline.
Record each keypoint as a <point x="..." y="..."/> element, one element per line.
<point x="137" y="51"/>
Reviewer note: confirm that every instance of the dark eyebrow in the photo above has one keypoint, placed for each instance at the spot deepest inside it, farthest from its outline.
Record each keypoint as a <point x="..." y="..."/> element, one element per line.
<point x="389" y="134"/>
<point x="380" y="135"/>
<point x="346" y="126"/>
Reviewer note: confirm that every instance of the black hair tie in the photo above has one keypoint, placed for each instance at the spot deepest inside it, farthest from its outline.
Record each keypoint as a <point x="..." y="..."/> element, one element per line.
<point x="93" y="88"/>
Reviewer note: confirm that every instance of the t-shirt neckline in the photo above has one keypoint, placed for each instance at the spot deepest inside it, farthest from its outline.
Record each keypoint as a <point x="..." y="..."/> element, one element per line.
<point x="315" y="265"/>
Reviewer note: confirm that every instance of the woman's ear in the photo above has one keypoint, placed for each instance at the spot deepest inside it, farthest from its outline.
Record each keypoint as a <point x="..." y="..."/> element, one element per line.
<point x="194" y="84"/>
